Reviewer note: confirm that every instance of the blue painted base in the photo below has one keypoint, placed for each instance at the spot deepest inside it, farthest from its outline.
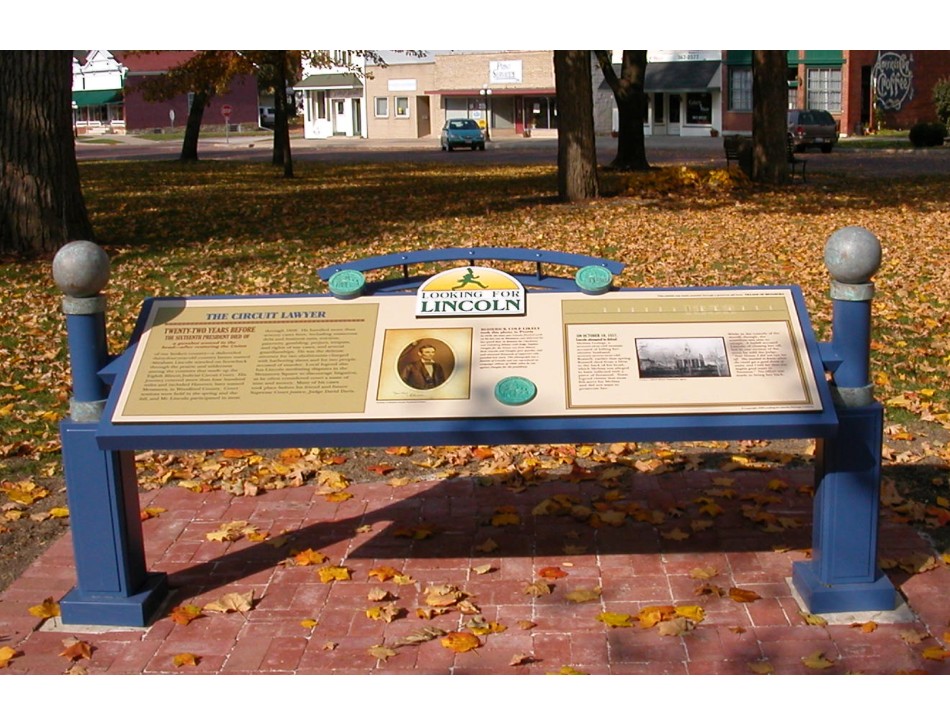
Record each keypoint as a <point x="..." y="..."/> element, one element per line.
<point x="126" y="611"/>
<point x="877" y="595"/>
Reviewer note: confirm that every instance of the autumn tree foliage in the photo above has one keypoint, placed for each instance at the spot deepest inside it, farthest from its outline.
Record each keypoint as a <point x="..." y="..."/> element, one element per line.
<point x="205" y="74"/>
<point x="769" y="124"/>
<point x="41" y="202"/>
<point x="631" y="105"/>
<point x="576" y="148"/>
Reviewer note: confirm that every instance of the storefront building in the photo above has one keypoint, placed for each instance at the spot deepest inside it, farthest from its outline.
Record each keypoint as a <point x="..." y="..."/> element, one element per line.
<point x="510" y="93"/>
<point x="865" y="90"/>
<point x="333" y="98"/>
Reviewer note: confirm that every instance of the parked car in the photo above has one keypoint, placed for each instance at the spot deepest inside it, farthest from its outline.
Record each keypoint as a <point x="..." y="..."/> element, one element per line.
<point x="812" y="128"/>
<point x="462" y="132"/>
<point x="267" y="114"/>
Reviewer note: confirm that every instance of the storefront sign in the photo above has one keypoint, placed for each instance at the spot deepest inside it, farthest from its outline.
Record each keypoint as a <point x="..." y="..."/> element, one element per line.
<point x="505" y="72"/>
<point x="893" y="80"/>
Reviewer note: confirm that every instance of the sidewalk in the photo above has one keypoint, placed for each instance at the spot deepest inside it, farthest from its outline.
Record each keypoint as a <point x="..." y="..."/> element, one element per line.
<point x="525" y="574"/>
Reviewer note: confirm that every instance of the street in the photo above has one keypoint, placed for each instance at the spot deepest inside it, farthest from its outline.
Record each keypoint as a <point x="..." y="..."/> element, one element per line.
<point x="661" y="151"/>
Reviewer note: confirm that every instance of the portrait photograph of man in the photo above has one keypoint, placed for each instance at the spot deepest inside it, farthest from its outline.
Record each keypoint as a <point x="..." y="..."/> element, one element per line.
<point x="425" y="364"/>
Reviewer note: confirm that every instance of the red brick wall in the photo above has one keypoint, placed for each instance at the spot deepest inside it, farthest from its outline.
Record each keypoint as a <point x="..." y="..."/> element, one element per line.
<point x="141" y="115"/>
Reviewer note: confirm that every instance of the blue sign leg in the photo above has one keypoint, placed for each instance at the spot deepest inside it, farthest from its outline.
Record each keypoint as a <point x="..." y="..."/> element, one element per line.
<point x="843" y="574"/>
<point x="113" y="587"/>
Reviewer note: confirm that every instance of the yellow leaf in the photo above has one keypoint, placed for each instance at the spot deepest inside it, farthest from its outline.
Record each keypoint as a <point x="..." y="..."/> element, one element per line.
<point x="812" y="619"/>
<point x="7" y="654"/>
<point x="47" y="609"/>
<point x="694" y="613"/>
<point x="761" y="667"/>
<point x="504" y="519"/>
<point x="59" y="512"/>
<point x="704" y="573"/>
<point x="483" y="569"/>
<point x="568" y="670"/>
<point x="183" y="659"/>
<point x="333" y="573"/>
<point x="616" y="620"/>
<point x="461" y="642"/>
<point x="338" y="496"/>
<point x="817" y="661"/>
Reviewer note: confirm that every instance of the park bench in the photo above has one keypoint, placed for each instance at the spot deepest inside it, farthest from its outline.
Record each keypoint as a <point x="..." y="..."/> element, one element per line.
<point x="734" y="145"/>
<point x="546" y="383"/>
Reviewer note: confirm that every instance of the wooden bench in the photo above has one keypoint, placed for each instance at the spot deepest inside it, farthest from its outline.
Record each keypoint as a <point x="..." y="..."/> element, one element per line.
<point x="733" y="147"/>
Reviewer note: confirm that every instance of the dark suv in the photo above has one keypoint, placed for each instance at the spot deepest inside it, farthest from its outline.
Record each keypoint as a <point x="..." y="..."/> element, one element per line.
<point x="812" y="128"/>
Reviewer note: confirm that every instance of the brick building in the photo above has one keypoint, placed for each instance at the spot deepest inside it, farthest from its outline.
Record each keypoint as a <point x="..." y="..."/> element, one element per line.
<point x="863" y="89"/>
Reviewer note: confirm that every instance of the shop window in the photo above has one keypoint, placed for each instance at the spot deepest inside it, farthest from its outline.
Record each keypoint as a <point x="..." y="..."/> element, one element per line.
<point x="740" y="89"/>
<point x="381" y="107"/>
<point x="699" y="108"/>
<point x="823" y="89"/>
<point x="402" y="107"/>
<point x="321" y="102"/>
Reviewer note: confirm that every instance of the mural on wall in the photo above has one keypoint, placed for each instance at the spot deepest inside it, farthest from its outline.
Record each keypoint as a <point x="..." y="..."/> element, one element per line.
<point x="893" y="79"/>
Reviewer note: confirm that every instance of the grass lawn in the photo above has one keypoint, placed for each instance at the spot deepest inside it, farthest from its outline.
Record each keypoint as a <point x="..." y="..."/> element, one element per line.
<point x="234" y="228"/>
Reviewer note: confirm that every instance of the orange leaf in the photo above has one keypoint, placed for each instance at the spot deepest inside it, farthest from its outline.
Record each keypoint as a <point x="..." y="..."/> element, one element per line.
<point x="381" y="469"/>
<point x="185" y="659"/>
<point x="308" y="557"/>
<point x="235" y="453"/>
<point x="552" y="572"/>
<point x="935" y="653"/>
<point x="461" y="642"/>
<point x="76" y="649"/>
<point x="384" y="573"/>
<point x="742" y="595"/>
<point x="185" y="614"/>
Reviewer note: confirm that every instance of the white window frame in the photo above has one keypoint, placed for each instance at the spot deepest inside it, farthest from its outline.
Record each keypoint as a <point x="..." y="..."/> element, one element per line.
<point x="823" y="89"/>
<point x="384" y="101"/>
<point x="396" y="102"/>
<point x="740" y="89"/>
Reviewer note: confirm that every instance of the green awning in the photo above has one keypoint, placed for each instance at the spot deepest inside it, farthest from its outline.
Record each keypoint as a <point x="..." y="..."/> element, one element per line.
<point x="330" y="81"/>
<point x="97" y="97"/>
<point x="740" y="57"/>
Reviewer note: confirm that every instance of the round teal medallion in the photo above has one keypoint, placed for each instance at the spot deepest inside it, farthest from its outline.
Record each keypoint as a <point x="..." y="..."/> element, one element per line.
<point x="593" y="279"/>
<point x="515" y="390"/>
<point x="347" y="283"/>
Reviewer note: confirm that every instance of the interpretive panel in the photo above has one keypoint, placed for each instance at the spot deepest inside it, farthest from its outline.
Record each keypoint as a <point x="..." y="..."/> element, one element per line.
<point x="321" y="358"/>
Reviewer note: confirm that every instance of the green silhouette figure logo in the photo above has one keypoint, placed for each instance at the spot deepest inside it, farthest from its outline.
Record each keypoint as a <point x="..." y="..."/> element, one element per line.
<point x="469" y="278"/>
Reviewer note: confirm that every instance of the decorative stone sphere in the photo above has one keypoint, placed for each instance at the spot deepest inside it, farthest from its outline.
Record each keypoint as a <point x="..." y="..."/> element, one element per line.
<point x="852" y="255"/>
<point x="81" y="268"/>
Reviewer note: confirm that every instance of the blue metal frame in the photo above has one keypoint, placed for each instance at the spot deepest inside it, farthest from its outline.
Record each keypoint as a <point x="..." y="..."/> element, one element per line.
<point x="115" y="588"/>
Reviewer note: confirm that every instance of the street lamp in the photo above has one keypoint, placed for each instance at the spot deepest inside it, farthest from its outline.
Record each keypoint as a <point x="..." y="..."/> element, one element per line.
<point x="486" y="93"/>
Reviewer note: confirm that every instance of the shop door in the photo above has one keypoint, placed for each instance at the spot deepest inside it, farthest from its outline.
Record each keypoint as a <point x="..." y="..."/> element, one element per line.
<point x="673" y="127"/>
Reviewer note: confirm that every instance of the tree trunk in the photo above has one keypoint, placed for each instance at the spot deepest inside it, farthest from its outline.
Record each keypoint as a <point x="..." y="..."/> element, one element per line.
<point x="769" y="110"/>
<point x="41" y="203"/>
<point x="281" y="155"/>
<point x="576" y="148"/>
<point x="631" y="107"/>
<point x="189" y="145"/>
